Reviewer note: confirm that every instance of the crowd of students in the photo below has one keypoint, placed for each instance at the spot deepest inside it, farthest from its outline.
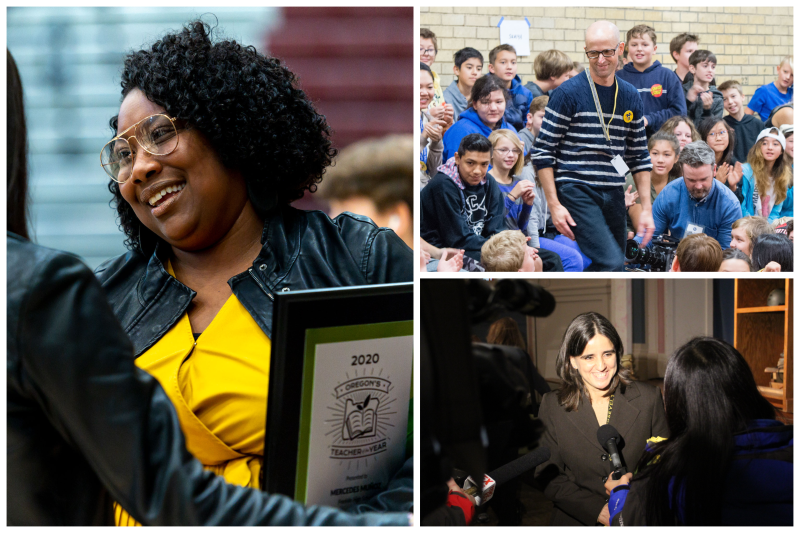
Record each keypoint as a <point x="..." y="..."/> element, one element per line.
<point x="498" y="155"/>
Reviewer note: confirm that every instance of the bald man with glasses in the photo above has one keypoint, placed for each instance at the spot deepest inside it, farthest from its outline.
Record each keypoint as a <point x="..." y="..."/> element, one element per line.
<point x="592" y="135"/>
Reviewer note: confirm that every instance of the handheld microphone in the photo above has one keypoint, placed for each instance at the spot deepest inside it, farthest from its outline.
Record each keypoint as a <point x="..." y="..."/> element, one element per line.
<point x="609" y="438"/>
<point x="505" y="474"/>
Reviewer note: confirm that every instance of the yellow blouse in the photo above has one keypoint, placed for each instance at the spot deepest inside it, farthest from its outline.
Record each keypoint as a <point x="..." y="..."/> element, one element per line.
<point x="218" y="385"/>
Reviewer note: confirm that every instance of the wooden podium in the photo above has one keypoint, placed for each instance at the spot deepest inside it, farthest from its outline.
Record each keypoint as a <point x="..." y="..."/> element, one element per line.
<point x="762" y="333"/>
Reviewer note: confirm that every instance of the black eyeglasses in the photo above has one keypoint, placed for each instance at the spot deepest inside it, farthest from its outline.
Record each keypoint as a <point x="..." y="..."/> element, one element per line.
<point x="594" y="54"/>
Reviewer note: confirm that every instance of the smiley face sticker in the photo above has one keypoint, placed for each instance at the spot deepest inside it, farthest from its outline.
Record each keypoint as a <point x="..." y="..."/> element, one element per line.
<point x="628" y="116"/>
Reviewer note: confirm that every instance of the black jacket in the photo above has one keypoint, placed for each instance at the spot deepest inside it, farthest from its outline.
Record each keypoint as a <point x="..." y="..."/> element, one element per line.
<point x="301" y="250"/>
<point x="85" y="425"/>
<point x="572" y="478"/>
<point x="464" y="219"/>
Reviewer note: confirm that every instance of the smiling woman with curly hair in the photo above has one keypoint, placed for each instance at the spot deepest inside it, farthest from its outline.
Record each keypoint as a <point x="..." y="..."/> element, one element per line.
<point x="212" y="142"/>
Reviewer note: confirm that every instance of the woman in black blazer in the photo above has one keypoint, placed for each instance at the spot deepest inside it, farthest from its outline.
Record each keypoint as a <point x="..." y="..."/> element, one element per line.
<point x="596" y="391"/>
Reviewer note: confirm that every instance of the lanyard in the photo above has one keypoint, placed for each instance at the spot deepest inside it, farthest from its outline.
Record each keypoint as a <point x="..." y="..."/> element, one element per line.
<point x="600" y="109"/>
<point x="610" y="405"/>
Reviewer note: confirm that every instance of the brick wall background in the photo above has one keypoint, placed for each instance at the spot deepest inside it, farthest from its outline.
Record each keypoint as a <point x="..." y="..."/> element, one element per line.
<point x="748" y="41"/>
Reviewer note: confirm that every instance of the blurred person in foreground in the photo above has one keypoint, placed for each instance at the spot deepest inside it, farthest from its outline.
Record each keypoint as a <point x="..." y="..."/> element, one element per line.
<point x="727" y="462"/>
<point x="211" y="144"/>
<point x="697" y="253"/>
<point x="772" y="252"/>
<point x="84" y="425"/>
<point x="374" y="178"/>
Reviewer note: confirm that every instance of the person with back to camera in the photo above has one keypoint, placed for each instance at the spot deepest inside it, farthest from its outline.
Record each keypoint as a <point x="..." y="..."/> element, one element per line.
<point x="772" y="252"/>
<point x="731" y="459"/>
<point x="735" y="260"/>
<point x="213" y="141"/>
<point x="84" y="424"/>
<point x="596" y="391"/>
<point x="697" y="253"/>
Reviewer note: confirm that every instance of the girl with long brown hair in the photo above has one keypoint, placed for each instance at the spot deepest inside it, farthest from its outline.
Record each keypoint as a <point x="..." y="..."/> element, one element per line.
<point x="768" y="184"/>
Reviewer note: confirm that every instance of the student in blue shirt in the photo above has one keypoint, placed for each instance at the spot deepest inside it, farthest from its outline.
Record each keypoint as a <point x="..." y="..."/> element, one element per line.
<point x="488" y="102"/>
<point x="769" y="96"/>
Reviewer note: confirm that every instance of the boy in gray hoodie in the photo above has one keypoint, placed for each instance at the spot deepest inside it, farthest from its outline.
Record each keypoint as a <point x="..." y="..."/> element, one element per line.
<point x="703" y="100"/>
<point x="467" y="69"/>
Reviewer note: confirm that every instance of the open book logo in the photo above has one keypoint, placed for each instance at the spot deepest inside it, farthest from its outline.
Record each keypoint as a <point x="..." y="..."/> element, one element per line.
<point x="363" y="411"/>
<point x="360" y="418"/>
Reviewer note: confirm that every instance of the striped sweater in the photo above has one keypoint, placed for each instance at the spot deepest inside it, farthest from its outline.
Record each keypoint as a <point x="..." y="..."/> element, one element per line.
<point x="571" y="139"/>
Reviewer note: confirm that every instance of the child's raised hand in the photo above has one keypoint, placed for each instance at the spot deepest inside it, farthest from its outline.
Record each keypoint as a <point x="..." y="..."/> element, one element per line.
<point x="434" y="130"/>
<point x="448" y="115"/>
<point x="722" y="172"/>
<point x="708" y="100"/>
<point x="735" y="175"/>
<point x="630" y="197"/>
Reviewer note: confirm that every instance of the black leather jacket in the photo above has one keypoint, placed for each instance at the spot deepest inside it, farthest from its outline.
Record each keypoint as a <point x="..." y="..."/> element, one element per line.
<point x="85" y="425"/>
<point x="301" y="250"/>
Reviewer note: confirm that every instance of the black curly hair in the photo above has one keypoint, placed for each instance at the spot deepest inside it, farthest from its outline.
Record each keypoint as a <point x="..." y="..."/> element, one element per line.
<point x="246" y="104"/>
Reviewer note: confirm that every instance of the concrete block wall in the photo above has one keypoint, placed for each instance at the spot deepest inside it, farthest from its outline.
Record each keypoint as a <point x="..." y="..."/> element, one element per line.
<point x="748" y="41"/>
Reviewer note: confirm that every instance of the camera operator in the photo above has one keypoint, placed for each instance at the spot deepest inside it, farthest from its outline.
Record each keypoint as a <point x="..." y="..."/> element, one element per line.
<point x="476" y="398"/>
<point x="698" y="203"/>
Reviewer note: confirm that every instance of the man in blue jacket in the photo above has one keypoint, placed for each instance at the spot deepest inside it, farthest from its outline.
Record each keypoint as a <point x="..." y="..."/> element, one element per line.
<point x="697" y="203"/>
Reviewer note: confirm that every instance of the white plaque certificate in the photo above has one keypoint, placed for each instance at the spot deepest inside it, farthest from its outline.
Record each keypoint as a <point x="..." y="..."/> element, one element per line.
<point x="355" y="411"/>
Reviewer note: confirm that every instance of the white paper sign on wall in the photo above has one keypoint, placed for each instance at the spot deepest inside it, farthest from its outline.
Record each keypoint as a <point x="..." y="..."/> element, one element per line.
<point x="517" y="34"/>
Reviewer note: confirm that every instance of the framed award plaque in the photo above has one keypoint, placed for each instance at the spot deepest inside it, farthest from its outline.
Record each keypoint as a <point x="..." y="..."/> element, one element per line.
<point x="338" y="407"/>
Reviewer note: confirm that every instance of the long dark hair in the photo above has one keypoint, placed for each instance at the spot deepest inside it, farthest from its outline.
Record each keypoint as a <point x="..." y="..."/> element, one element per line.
<point x="581" y="330"/>
<point x="708" y="124"/>
<point x="772" y="247"/>
<point x="17" y="156"/>
<point x="709" y="395"/>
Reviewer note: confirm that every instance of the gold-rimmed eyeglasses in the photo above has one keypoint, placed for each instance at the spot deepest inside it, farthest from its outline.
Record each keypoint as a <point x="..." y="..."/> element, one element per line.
<point x="156" y="135"/>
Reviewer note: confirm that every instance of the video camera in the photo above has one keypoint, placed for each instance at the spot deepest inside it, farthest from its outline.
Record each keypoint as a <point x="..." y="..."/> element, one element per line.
<point x="655" y="258"/>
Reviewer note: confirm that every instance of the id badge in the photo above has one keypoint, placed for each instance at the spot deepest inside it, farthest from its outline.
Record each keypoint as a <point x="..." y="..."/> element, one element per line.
<point x="620" y="165"/>
<point x="691" y="229"/>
